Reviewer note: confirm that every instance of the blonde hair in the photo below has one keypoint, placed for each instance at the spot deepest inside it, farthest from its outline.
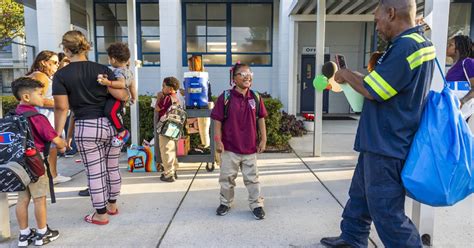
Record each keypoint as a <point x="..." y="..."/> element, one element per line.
<point x="76" y="42"/>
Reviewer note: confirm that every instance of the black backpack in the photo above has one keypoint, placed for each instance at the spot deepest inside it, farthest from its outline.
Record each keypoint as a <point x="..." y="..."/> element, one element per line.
<point x="15" y="138"/>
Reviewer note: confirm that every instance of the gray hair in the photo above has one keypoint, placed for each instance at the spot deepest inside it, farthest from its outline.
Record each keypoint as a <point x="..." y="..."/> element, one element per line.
<point x="403" y="7"/>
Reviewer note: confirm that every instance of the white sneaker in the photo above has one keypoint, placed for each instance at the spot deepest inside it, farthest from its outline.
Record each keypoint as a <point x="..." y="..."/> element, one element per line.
<point x="61" y="179"/>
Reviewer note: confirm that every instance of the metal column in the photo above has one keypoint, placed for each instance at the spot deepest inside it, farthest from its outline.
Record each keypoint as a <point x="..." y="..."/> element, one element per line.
<point x="132" y="44"/>
<point x="318" y="99"/>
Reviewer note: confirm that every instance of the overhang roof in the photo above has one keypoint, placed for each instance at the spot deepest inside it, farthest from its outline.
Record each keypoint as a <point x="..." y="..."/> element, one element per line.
<point x="342" y="7"/>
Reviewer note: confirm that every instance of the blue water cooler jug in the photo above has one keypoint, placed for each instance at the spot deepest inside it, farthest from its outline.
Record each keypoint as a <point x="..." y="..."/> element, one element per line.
<point x="196" y="88"/>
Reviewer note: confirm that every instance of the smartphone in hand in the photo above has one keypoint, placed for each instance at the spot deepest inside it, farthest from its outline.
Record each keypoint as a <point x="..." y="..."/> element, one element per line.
<point x="341" y="61"/>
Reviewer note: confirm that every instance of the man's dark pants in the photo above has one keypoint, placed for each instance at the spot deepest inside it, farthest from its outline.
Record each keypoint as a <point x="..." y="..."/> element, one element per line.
<point x="377" y="194"/>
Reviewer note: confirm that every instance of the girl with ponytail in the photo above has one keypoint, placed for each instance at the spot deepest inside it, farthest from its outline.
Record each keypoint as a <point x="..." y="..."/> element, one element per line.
<point x="239" y="134"/>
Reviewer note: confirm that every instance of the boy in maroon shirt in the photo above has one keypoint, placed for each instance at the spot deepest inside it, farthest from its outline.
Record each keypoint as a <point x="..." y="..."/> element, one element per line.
<point x="236" y="138"/>
<point x="168" y="146"/>
<point x="29" y="92"/>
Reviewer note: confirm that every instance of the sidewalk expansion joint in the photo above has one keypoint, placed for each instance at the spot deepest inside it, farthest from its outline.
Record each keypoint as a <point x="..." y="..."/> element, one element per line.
<point x="179" y="206"/>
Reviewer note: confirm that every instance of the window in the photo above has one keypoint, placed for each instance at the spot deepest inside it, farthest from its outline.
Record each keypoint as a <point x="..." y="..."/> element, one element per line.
<point x="206" y="32"/>
<point x="251" y="33"/>
<point x="6" y="78"/>
<point x="459" y="19"/>
<point x="224" y="33"/>
<point x="110" y="27"/>
<point x="149" y="33"/>
<point x="6" y="52"/>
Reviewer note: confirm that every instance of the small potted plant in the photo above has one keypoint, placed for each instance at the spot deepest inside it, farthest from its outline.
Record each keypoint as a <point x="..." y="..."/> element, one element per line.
<point x="308" y="122"/>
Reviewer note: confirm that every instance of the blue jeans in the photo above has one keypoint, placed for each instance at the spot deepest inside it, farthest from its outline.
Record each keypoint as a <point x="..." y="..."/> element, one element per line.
<point x="377" y="194"/>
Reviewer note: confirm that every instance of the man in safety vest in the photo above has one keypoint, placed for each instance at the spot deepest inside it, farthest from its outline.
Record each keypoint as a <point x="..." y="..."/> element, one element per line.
<point x="395" y="93"/>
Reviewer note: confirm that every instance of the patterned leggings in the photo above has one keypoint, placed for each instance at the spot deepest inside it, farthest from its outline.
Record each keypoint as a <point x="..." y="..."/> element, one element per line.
<point x="101" y="160"/>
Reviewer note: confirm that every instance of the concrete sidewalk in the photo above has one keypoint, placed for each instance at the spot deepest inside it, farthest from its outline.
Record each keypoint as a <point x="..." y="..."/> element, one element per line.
<point x="303" y="198"/>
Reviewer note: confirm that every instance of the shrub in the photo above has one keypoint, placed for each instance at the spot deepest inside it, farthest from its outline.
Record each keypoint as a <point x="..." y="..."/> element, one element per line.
<point x="8" y="103"/>
<point x="273" y="122"/>
<point x="146" y="118"/>
<point x="289" y="124"/>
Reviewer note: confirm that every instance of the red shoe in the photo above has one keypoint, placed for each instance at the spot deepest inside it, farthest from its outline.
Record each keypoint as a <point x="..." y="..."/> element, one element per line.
<point x="113" y="213"/>
<point x="90" y="219"/>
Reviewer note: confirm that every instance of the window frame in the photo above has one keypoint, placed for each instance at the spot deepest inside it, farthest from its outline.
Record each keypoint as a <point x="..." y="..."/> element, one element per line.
<point x="140" y="36"/>
<point x="138" y="27"/>
<point x="96" y="47"/>
<point x="228" y="36"/>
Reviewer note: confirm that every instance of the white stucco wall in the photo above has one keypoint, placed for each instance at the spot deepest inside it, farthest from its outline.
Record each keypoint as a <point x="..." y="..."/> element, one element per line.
<point x="350" y="44"/>
<point x="53" y="20"/>
<point x="31" y="31"/>
<point x="170" y="39"/>
<point x="149" y="79"/>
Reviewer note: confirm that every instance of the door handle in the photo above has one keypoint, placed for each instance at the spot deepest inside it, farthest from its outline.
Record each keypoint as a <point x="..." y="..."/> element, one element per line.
<point x="304" y="86"/>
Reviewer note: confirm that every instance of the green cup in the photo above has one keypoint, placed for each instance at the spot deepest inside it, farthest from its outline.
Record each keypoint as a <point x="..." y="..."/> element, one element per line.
<point x="355" y="99"/>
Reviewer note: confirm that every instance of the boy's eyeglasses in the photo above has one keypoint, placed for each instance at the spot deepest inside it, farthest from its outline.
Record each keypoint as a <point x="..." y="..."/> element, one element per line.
<point x="245" y="74"/>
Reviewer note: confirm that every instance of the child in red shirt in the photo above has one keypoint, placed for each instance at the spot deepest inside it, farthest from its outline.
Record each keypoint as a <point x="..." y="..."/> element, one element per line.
<point x="29" y="92"/>
<point x="166" y="98"/>
<point x="238" y="141"/>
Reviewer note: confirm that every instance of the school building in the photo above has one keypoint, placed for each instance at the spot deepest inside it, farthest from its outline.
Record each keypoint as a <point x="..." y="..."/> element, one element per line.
<point x="277" y="37"/>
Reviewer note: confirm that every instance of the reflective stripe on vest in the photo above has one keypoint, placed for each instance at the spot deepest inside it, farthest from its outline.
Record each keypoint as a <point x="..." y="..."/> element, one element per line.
<point x="415" y="36"/>
<point x="422" y="55"/>
<point x="380" y="86"/>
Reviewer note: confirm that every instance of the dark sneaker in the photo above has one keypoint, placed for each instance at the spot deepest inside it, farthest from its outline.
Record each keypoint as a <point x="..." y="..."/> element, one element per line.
<point x="258" y="213"/>
<point x="222" y="210"/>
<point x="84" y="192"/>
<point x="49" y="236"/>
<point x="25" y="240"/>
<point x="175" y="175"/>
<point x="70" y="154"/>
<point x="167" y="179"/>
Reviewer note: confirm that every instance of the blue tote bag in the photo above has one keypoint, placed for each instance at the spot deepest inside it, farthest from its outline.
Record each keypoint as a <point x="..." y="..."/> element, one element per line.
<point x="439" y="168"/>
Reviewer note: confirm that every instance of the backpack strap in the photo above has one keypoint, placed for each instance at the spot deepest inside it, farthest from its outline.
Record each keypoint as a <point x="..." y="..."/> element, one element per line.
<point x="27" y="115"/>
<point x="257" y="99"/>
<point x="464" y="69"/>
<point x="226" y="102"/>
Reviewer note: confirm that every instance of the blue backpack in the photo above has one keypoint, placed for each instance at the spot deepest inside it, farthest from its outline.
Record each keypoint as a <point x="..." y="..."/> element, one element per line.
<point x="439" y="170"/>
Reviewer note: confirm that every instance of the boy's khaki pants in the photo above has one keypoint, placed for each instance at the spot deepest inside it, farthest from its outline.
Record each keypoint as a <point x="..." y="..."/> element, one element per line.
<point x="230" y="164"/>
<point x="168" y="155"/>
